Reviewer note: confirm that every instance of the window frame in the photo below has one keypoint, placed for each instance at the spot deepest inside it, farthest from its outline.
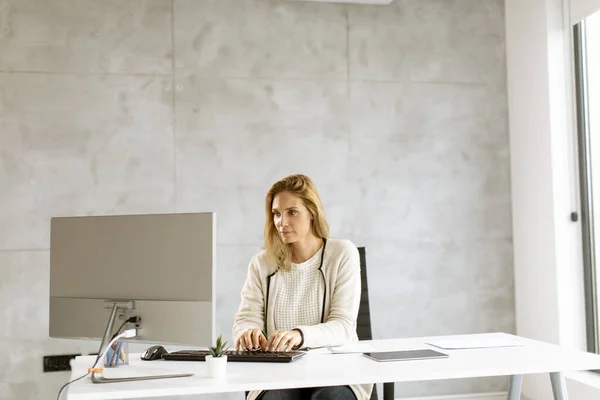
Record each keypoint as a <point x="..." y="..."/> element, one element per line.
<point x="586" y="188"/>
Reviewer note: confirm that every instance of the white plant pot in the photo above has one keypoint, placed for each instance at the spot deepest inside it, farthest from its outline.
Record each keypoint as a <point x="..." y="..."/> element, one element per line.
<point x="217" y="366"/>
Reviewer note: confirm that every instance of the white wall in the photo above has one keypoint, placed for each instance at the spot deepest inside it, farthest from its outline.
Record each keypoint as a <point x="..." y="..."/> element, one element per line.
<point x="549" y="290"/>
<point x="583" y="8"/>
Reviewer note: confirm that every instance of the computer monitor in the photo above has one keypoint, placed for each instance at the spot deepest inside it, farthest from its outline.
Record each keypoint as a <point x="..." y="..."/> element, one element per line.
<point x="162" y="265"/>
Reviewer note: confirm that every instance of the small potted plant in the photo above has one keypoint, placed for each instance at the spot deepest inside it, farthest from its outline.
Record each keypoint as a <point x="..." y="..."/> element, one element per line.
<point x="217" y="360"/>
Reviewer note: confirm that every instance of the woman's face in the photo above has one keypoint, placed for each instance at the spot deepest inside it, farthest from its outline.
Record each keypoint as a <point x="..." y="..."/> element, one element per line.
<point x="291" y="218"/>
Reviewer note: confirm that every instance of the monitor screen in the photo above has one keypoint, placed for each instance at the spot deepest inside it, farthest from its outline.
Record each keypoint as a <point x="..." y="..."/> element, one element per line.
<point x="163" y="264"/>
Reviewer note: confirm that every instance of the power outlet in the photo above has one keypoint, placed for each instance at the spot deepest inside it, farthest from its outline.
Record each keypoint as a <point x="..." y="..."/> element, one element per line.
<point x="58" y="363"/>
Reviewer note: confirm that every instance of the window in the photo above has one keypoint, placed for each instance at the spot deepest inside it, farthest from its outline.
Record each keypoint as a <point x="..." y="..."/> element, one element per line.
<point x="587" y="74"/>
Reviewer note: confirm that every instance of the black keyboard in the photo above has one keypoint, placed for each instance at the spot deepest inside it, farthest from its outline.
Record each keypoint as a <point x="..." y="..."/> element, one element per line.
<point x="236" y="356"/>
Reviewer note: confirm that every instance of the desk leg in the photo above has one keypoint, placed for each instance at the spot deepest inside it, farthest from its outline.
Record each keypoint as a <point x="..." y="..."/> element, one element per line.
<point x="559" y="387"/>
<point x="514" y="387"/>
<point x="388" y="391"/>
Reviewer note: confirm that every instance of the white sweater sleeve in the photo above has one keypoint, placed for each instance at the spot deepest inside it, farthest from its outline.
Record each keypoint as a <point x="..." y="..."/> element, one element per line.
<point x="251" y="313"/>
<point x="341" y="322"/>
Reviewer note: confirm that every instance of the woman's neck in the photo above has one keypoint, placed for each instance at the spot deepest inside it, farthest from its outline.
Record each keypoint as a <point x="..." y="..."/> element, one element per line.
<point x="304" y="250"/>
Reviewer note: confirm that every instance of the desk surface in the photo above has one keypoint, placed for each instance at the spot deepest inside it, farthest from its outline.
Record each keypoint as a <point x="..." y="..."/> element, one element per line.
<point x="319" y="369"/>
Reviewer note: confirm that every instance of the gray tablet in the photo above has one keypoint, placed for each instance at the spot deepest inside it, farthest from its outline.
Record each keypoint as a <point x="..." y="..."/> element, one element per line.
<point x="404" y="355"/>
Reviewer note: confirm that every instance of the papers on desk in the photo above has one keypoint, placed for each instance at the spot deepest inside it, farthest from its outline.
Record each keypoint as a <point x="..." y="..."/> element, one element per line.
<point x="356" y="347"/>
<point x="319" y="351"/>
<point x="476" y="342"/>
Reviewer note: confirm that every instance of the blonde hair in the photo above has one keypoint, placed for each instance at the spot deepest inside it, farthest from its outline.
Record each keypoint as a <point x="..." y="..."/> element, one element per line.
<point x="279" y="253"/>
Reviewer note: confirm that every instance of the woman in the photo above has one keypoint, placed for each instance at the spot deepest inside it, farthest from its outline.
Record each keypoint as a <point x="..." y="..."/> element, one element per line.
<point x="303" y="290"/>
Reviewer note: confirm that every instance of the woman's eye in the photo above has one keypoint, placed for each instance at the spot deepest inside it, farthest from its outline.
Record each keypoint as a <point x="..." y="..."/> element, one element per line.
<point x="276" y="214"/>
<point x="293" y="212"/>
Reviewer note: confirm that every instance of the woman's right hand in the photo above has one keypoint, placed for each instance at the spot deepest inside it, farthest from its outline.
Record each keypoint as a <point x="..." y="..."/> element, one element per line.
<point x="251" y="339"/>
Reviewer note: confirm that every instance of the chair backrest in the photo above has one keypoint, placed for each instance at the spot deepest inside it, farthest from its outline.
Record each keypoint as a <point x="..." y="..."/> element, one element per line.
<point x="363" y="322"/>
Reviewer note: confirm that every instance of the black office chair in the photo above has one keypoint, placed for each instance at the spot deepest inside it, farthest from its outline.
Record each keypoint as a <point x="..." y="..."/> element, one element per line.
<point x="363" y="322"/>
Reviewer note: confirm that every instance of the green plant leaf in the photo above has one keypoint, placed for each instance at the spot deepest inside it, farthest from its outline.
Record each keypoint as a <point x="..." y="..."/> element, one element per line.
<point x="219" y="349"/>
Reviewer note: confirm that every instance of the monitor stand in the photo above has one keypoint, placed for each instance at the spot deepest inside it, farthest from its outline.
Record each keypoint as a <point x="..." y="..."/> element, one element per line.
<point x="116" y="305"/>
<point x="123" y="305"/>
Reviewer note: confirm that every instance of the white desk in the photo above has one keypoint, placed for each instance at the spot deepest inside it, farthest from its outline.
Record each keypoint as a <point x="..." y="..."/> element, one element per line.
<point x="341" y="369"/>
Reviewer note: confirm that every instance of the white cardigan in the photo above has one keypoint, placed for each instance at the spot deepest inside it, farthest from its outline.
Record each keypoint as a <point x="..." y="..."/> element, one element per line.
<point x="342" y="289"/>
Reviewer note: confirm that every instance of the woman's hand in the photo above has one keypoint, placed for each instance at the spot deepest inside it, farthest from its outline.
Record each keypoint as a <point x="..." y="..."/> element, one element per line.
<point x="251" y="339"/>
<point x="283" y="341"/>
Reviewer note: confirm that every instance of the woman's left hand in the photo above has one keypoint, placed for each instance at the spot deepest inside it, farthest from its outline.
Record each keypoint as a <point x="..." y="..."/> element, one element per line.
<point x="283" y="340"/>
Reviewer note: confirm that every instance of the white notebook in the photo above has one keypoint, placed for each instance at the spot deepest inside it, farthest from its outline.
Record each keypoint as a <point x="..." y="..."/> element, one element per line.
<point x="476" y="342"/>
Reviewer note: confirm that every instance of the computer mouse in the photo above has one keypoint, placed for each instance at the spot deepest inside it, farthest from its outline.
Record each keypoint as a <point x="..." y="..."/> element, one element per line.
<point x="153" y="353"/>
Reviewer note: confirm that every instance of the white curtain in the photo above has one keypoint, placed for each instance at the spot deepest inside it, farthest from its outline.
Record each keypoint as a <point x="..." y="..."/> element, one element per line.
<point x="580" y="9"/>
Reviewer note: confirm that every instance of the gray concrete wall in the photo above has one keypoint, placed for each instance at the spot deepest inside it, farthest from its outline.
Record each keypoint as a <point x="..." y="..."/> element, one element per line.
<point x="398" y="113"/>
